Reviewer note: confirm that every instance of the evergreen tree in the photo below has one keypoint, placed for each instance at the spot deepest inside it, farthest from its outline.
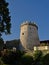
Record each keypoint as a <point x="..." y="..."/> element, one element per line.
<point x="5" y="18"/>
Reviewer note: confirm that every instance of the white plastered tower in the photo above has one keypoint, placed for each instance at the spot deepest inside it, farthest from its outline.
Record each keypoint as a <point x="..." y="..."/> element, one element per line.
<point x="29" y="36"/>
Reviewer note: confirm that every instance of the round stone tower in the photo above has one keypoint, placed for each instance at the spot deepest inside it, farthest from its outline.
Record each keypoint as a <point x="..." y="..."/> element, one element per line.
<point x="29" y="36"/>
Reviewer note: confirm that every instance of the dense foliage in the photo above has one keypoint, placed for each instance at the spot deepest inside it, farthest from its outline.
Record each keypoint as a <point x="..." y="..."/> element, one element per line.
<point x="19" y="58"/>
<point x="46" y="59"/>
<point x="5" y="24"/>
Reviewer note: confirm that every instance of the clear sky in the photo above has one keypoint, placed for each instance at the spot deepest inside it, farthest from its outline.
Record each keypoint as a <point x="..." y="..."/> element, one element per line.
<point x="31" y="10"/>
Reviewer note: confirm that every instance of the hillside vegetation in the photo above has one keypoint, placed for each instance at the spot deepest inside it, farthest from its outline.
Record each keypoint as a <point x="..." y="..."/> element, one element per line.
<point x="8" y="57"/>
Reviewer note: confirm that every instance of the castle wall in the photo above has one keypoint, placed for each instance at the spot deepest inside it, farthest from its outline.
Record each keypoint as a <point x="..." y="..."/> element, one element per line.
<point x="13" y="44"/>
<point x="41" y="48"/>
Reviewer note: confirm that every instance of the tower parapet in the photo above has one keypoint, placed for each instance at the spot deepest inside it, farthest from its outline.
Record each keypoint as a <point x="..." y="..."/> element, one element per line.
<point x="29" y="23"/>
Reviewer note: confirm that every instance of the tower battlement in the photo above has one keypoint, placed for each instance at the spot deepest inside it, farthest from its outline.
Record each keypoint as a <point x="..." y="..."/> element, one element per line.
<point x="29" y="23"/>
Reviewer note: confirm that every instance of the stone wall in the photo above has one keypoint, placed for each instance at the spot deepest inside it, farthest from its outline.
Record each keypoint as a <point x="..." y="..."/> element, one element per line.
<point x="42" y="48"/>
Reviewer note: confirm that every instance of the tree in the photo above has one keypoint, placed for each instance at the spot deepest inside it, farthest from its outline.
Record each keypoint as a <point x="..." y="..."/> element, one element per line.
<point x="5" y="18"/>
<point x="27" y="60"/>
<point x="14" y="58"/>
<point x="1" y="43"/>
<point x="45" y="59"/>
<point x="38" y="57"/>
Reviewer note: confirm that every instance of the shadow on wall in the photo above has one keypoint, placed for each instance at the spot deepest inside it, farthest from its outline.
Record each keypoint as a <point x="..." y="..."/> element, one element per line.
<point x="13" y="43"/>
<point x="21" y="48"/>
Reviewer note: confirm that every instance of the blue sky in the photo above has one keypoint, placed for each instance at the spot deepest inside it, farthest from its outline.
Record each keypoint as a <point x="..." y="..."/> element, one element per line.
<point x="31" y="10"/>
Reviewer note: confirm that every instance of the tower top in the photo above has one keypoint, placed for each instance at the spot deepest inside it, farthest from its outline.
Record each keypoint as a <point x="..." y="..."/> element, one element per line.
<point x="29" y="23"/>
